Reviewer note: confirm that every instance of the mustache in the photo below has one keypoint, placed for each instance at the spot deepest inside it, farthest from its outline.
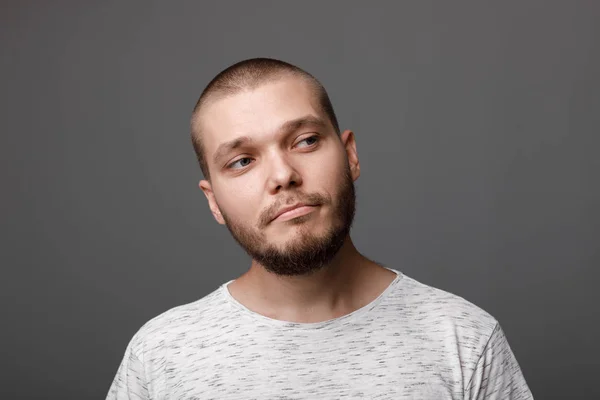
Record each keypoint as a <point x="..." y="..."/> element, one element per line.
<point x="312" y="198"/>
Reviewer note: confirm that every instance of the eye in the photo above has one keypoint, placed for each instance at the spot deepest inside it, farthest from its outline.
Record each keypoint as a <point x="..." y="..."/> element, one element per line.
<point x="242" y="161"/>
<point x="309" y="140"/>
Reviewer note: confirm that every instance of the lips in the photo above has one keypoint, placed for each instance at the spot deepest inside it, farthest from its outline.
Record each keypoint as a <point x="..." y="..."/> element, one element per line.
<point x="289" y="208"/>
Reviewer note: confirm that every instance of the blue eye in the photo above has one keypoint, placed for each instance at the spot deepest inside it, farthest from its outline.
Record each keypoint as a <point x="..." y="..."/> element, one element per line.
<point x="241" y="162"/>
<point x="315" y="138"/>
<point x="245" y="161"/>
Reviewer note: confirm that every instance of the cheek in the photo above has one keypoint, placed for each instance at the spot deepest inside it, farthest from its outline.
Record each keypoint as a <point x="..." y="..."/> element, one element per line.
<point x="329" y="170"/>
<point x="238" y="201"/>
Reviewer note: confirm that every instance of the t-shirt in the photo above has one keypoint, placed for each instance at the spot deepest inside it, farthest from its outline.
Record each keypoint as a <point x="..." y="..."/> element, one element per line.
<point x="412" y="342"/>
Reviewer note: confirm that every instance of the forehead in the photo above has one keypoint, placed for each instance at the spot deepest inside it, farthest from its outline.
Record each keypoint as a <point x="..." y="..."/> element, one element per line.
<point x="257" y="113"/>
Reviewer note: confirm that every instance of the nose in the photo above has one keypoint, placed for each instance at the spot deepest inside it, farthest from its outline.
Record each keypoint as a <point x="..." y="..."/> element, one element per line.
<point x="282" y="174"/>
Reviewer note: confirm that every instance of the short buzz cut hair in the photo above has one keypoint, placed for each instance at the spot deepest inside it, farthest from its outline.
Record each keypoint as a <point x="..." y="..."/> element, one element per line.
<point x="247" y="75"/>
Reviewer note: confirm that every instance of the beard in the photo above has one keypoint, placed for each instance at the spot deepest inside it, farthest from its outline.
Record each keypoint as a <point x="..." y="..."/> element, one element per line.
<point x="307" y="252"/>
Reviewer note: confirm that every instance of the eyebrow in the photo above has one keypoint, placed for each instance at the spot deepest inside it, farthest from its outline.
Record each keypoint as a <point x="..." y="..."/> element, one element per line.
<point x="287" y="127"/>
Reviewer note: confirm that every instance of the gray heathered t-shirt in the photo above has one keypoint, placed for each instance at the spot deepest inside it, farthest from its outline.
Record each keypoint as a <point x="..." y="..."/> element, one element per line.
<point x="412" y="342"/>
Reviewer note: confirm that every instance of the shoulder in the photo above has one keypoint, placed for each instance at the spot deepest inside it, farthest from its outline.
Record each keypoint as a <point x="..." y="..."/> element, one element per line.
<point x="178" y="322"/>
<point x="443" y="314"/>
<point x="431" y="303"/>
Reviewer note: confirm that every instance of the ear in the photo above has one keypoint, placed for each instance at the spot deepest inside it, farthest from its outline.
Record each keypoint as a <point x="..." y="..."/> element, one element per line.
<point x="212" y="202"/>
<point x="347" y="138"/>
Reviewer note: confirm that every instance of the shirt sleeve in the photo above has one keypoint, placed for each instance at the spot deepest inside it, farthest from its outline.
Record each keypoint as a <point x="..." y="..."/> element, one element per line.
<point x="497" y="375"/>
<point x="130" y="380"/>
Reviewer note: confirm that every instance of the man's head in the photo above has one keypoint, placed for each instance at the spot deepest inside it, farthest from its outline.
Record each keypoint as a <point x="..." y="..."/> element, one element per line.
<point x="267" y="138"/>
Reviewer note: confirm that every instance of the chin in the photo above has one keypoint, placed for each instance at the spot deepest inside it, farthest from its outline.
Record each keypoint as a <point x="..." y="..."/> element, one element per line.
<point x="299" y="239"/>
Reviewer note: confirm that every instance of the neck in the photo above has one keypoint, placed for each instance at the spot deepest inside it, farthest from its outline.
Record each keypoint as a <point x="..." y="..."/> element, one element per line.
<point x="349" y="282"/>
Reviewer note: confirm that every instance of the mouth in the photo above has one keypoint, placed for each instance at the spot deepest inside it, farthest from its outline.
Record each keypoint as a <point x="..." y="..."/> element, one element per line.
<point x="294" y="212"/>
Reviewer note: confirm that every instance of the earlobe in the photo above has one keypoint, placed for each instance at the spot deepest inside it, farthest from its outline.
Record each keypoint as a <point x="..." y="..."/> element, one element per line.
<point x="355" y="170"/>
<point x="218" y="217"/>
<point x="349" y="143"/>
<point x="212" y="202"/>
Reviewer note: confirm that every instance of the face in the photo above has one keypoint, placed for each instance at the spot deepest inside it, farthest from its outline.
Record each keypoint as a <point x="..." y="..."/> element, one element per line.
<point x="272" y="148"/>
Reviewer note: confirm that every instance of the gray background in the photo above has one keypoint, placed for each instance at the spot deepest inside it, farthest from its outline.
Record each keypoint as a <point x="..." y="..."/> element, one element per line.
<point x="477" y="126"/>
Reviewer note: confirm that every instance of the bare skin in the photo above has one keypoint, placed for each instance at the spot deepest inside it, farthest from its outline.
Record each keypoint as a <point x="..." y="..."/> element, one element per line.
<point x="350" y="282"/>
<point x="250" y="183"/>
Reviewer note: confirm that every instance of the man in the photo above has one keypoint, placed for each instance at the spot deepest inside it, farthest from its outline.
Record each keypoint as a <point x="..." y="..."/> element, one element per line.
<point x="312" y="318"/>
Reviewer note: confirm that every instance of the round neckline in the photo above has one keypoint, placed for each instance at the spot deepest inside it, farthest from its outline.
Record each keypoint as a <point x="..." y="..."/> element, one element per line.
<point x="344" y="319"/>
